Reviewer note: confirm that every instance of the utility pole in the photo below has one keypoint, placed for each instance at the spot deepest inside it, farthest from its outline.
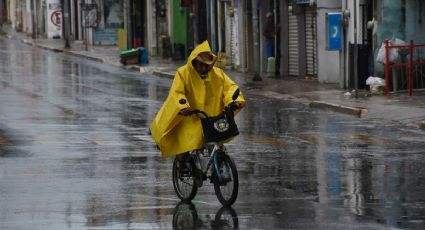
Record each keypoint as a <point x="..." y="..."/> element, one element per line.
<point x="33" y="24"/>
<point x="1" y="14"/>
<point x="66" y="24"/>
<point x="213" y="7"/>
<point x="256" y="38"/>
<point x="356" y="50"/>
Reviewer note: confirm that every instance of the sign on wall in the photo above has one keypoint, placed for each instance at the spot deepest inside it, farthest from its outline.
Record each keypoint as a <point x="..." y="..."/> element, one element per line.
<point x="54" y="20"/>
<point x="334" y="31"/>
<point x="302" y="1"/>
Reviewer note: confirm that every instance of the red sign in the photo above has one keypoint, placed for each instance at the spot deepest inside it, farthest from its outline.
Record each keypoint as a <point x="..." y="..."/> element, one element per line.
<point x="56" y="18"/>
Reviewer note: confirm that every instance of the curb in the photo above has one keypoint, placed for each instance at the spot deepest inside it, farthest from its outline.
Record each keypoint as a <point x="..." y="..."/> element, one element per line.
<point x="63" y="50"/>
<point x="357" y="111"/>
<point x="44" y="47"/>
<point x="78" y="54"/>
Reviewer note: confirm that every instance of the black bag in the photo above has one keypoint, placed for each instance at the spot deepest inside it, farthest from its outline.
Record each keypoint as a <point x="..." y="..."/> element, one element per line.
<point x="219" y="128"/>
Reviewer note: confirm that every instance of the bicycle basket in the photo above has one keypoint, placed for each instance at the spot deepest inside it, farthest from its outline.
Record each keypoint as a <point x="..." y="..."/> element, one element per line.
<point x="219" y="128"/>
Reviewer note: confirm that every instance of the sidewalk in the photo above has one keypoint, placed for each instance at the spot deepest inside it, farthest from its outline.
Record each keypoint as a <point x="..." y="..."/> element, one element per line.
<point x="400" y="107"/>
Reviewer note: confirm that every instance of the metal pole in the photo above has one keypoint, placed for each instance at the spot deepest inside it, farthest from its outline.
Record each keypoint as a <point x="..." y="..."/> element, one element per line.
<point x="208" y="9"/>
<point x="32" y="5"/>
<point x="410" y="79"/>
<point x="256" y="39"/>
<point x="213" y="27"/>
<point x="387" y="69"/>
<point x="86" y="34"/>
<point x="129" y="15"/>
<point x="66" y="25"/>
<point x="154" y="44"/>
<point x="356" y="78"/>
<point x="1" y="13"/>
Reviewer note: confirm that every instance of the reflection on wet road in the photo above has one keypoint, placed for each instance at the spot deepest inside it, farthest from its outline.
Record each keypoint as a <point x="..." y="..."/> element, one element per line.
<point x="74" y="154"/>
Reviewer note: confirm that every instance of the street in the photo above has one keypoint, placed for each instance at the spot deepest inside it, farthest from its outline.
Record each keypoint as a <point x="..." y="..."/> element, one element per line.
<point x="75" y="154"/>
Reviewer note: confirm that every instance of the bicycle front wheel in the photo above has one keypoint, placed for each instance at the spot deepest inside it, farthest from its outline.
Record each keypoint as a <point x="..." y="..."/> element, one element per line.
<point x="184" y="181"/>
<point x="226" y="182"/>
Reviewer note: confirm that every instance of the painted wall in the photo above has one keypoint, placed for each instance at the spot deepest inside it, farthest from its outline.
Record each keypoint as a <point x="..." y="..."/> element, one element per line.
<point x="54" y="19"/>
<point x="393" y="21"/>
<point x="28" y="18"/>
<point x="415" y="21"/>
<point x="12" y="12"/>
<point x="179" y="24"/>
<point x="389" y="23"/>
<point x="327" y="61"/>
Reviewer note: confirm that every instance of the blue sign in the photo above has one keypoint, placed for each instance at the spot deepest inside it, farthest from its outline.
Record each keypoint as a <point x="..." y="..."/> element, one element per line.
<point x="302" y="1"/>
<point x="334" y="31"/>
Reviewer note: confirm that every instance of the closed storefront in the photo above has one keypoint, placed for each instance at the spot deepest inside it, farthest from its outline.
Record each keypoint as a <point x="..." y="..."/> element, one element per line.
<point x="293" y="43"/>
<point x="302" y="40"/>
<point x="311" y="42"/>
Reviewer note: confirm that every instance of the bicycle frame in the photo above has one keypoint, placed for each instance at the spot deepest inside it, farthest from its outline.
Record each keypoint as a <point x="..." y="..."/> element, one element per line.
<point x="211" y="153"/>
<point x="216" y="146"/>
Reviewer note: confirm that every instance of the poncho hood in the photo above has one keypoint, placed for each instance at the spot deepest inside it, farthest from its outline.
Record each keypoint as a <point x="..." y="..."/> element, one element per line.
<point x="203" y="47"/>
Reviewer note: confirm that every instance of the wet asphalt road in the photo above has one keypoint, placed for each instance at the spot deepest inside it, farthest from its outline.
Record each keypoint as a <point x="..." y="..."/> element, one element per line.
<point x="74" y="154"/>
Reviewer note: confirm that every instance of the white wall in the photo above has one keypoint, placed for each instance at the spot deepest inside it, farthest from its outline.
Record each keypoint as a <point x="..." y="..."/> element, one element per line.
<point x="415" y="25"/>
<point x="12" y="12"/>
<point x="28" y="18"/>
<point x="53" y="7"/>
<point x="151" y="37"/>
<point x="328" y="61"/>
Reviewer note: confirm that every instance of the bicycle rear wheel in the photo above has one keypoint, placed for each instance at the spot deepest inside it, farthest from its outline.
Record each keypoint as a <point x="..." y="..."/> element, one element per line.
<point x="184" y="181"/>
<point x="226" y="181"/>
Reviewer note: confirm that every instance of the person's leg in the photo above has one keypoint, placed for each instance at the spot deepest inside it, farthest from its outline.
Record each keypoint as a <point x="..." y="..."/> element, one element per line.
<point x="181" y="160"/>
<point x="269" y="49"/>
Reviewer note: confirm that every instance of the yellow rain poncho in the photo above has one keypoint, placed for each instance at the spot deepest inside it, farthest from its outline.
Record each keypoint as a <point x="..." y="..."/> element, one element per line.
<point x="175" y="134"/>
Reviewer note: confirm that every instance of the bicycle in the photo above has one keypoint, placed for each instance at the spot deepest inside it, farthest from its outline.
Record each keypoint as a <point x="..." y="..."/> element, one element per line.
<point x="190" y="172"/>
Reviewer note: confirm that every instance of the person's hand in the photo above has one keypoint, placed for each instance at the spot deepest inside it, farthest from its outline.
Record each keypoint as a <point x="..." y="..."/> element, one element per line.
<point x="238" y="105"/>
<point x="235" y="105"/>
<point x="185" y="111"/>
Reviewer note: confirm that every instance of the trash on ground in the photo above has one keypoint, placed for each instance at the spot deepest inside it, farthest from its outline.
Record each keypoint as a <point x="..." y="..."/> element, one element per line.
<point x="134" y="56"/>
<point x="347" y="94"/>
<point x="376" y="84"/>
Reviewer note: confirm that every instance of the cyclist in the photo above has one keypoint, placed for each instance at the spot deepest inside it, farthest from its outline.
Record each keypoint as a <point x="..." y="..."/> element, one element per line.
<point x="203" y="86"/>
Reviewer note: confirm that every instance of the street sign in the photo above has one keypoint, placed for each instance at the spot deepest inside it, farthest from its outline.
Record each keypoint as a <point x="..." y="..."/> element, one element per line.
<point x="334" y="31"/>
<point x="56" y="17"/>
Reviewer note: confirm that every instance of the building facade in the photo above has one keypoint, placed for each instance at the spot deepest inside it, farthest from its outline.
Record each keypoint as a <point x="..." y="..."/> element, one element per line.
<point x="234" y="28"/>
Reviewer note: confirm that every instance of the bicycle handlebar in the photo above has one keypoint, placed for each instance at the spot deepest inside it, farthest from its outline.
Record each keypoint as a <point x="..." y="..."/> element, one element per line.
<point x="232" y="106"/>
<point x="194" y="111"/>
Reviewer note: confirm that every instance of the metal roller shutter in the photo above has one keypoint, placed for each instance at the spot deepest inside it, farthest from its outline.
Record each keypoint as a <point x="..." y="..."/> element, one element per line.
<point x="293" y="45"/>
<point x="311" y="42"/>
